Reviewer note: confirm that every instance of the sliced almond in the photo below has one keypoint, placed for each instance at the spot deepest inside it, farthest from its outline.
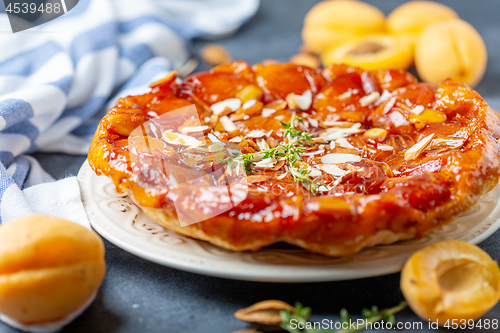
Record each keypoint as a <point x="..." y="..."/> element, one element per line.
<point x="344" y="124"/>
<point x="369" y="99"/>
<point x="173" y="138"/>
<point x="227" y="124"/>
<point x="323" y="188"/>
<point x="333" y="170"/>
<point x="417" y="109"/>
<point x="385" y="147"/>
<point x="213" y="138"/>
<point x="249" y="104"/>
<point x="342" y="142"/>
<point x="385" y="96"/>
<point x="232" y="103"/>
<point x="257" y="157"/>
<point x="194" y="129"/>
<point x="313" y="122"/>
<point x="345" y="95"/>
<point x="314" y="173"/>
<point x="266" y="112"/>
<point x="252" y="179"/>
<point x="236" y="139"/>
<point x="312" y="153"/>
<point x="256" y="134"/>
<point x="266" y="163"/>
<point x="339" y="158"/>
<point x="283" y="175"/>
<point x="304" y="101"/>
<point x="263" y="145"/>
<point x="417" y="149"/>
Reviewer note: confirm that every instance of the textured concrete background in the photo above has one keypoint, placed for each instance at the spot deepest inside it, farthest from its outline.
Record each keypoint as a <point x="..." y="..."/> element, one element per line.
<point x="140" y="296"/>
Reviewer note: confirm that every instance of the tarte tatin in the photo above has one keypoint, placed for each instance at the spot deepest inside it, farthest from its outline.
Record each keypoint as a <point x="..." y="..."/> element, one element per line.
<point x="334" y="160"/>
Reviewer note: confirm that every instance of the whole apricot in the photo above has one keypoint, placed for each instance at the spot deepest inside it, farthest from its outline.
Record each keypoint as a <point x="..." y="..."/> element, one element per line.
<point x="451" y="280"/>
<point x="451" y="49"/>
<point x="372" y="52"/>
<point x="49" y="268"/>
<point x="331" y="23"/>
<point x="414" y="16"/>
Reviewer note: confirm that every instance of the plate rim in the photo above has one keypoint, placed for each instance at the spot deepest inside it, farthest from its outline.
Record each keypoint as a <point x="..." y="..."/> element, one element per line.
<point x="213" y="267"/>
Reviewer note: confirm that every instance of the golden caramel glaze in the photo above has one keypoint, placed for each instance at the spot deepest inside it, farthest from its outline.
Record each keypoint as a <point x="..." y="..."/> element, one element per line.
<point x="383" y="192"/>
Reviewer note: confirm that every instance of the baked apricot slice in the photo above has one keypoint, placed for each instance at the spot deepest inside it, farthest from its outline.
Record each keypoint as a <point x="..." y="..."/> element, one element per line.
<point x="374" y="52"/>
<point x="451" y="280"/>
<point x="279" y="80"/>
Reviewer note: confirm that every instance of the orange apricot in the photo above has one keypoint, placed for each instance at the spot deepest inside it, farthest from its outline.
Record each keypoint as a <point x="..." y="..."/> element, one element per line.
<point x="451" y="280"/>
<point x="451" y="49"/>
<point x="331" y="23"/>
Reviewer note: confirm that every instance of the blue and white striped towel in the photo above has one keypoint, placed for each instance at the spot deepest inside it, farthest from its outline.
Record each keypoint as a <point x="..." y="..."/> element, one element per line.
<point x="54" y="78"/>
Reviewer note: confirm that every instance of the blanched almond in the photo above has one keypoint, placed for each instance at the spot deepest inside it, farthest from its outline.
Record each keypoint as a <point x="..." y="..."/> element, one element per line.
<point x="306" y="59"/>
<point x="265" y="312"/>
<point x="214" y="54"/>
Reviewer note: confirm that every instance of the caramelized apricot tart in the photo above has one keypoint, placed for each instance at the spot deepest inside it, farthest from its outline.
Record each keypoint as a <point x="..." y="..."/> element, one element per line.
<point x="333" y="160"/>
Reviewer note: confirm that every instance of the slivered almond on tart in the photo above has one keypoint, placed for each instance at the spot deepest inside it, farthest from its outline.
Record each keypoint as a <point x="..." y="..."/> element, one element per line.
<point x="330" y="160"/>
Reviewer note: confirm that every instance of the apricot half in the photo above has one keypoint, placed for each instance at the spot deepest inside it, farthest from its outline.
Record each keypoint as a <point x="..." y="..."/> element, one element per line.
<point x="451" y="49"/>
<point x="331" y="23"/>
<point x="451" y="280"/>
<point x="373" y="52"/>
<point x="49" y="268"/>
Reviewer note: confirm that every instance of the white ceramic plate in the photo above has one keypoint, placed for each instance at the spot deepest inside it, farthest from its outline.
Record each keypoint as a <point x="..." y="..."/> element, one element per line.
<point x="121" y="222"/>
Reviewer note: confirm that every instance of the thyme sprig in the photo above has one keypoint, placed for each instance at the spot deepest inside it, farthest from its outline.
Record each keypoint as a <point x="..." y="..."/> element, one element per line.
<point x="290" y="150"/>
<point x="301" y="314"/>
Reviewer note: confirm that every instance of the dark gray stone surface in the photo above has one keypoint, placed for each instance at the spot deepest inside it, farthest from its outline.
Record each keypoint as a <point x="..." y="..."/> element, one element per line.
<point x="140" y="296"/>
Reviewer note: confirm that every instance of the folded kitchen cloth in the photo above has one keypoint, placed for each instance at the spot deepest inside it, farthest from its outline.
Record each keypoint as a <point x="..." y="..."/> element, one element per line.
<point x="55" y="77"/>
